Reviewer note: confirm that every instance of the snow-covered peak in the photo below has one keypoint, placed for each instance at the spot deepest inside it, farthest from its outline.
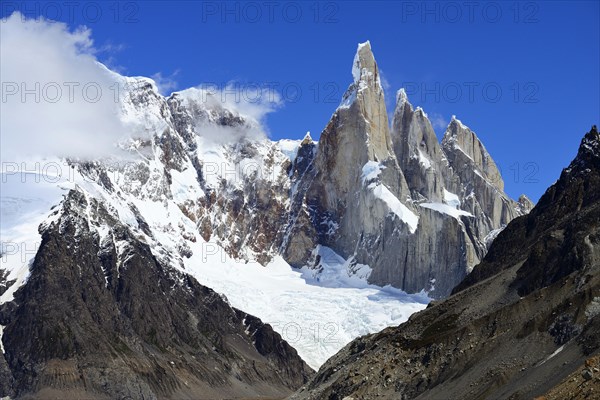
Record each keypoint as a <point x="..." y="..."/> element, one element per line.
<point x="419" y="110"/>
<point x="289" y="147"/>
<point x="363" y="51"/>
<point x="204" y="99"/>
<point x="588" y="155"/>
<point x="401" y="97"/>
<point x="590" y="144"/>
<point x="126" y="85"/>
<point x="456" y="121"/>
<point x="123" y="79"/>
<point x="364" y="67"/>
<point x="307" y="138"/>
<point x="196" y="95"/>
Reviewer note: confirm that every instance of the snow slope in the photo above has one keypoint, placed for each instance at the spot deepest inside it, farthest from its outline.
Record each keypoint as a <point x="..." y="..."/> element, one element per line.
<point x="370" y="177"/>
<point x="446" y="209"/>
<point x="28" y="190"/>
<point x="316" y="320"/>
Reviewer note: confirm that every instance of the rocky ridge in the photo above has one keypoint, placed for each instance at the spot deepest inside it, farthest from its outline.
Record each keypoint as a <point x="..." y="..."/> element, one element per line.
<point x="418" y="212"/>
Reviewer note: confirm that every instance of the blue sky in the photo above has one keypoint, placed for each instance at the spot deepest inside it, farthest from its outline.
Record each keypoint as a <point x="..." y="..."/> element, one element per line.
<point x="525" y="76"/>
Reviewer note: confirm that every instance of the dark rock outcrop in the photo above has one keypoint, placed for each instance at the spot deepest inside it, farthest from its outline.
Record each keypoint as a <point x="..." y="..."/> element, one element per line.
<point x="101" y="317"/>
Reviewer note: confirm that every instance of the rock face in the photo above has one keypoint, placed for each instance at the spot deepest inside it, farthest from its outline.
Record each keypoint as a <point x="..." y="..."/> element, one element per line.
<point x="418" y="150"/>
<point x="476" y="172"/>
<point x="421" y="214"/>
<point x="101" y="317"/>
<point x="582" y="384"/>
<point x="527" y="316"/>
<point x="345" y="201"/>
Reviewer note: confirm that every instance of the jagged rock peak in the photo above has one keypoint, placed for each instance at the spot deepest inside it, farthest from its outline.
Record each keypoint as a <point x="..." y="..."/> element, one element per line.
<point x="588" y="155"/>
<point x="593" y="134"/>
<point x="364" y="67"/>
<point x="460" y="138"/>
<point x="525" y="204"/>
<point x="459" y="133"/>
<point x="402" y="98"/>
<point x="307" y="139"/>
<point x="402" y="105"/>
<point x="363" y="108"/>
<point x="454" y="126"/>
<point x="590" y="144"/>
<point x="421" y="111"/>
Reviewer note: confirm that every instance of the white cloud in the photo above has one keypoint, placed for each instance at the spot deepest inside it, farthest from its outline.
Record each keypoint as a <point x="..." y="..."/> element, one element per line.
<point x="389" y="99"/>
<point x="250" y="101"/>
<point x="165" y="84"/>
<point x="385" y="84"/>
<point x="107" y="55"/>
<point x="438" y="121"/>
<point x="56" y="98"/>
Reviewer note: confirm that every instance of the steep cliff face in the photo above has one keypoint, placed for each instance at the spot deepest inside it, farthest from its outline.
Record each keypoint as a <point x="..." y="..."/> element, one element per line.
<point x="419" y="213"/>
<point x="477" y="173"/>
<point x="525" y="319"/>
<point x="418" y="151"/>
<point x="355" y="172"/>
<point x="102" y="317"/>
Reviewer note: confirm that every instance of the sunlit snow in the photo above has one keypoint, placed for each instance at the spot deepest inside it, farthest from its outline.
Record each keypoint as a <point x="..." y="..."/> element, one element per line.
<point x="370" y="176"/>
<point x="451" y="199"/>
<point x="446" y="209"/>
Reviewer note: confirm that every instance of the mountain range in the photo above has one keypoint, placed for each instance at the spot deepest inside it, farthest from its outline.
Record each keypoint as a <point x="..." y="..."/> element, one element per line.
<point x="121" y="296"/>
